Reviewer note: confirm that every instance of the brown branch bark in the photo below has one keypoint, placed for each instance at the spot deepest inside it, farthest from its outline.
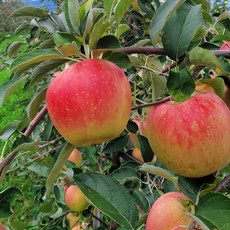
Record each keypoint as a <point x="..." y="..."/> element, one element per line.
<point x="35" y="121"/>
<point x="152" y="103"/>
<point x="142" y="50"/>
<point x="223" y="183"/>
<point x="160" y="51"/>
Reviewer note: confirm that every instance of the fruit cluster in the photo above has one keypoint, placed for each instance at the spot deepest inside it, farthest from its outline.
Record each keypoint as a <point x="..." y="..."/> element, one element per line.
<point x="90" y="103"/>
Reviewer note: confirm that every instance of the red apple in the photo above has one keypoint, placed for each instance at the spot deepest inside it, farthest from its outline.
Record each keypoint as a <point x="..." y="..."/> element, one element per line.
<point x="75" y="157"/>
<point x="75" y="199"/>
<point x="168" y="212"/>
<point x="2" y="227"/>
<point x="89" y="102"/>
<point x="225" y="46"/>
<point x="192" y="138"/>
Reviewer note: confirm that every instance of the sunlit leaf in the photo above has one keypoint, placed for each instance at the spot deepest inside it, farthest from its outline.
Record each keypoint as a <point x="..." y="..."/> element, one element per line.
<point x="9" y="87"/>
<point x="180" y="85"/>
<point x="161" y="16"/>
<point x="36" y="56"/>
<point x="186" y="20"/>
<point x="30" y="11"/>
<point x="62" y="158"/>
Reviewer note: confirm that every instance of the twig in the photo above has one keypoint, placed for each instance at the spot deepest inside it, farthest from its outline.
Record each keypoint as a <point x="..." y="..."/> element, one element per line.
<point x="152" y="103"/>
<point x="34" y="159"/>
<point x="35" y="121"/>
<point x="160" y="51"/>
<point x="142" y="50"/>
<point x="7" y="160"/>
<point x="221" y="185"/>
<point x="101" y="221"/>
<point x="50" y="142"/>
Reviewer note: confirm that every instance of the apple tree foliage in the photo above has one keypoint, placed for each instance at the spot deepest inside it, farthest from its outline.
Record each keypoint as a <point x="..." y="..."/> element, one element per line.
<point x="165" y="49"/>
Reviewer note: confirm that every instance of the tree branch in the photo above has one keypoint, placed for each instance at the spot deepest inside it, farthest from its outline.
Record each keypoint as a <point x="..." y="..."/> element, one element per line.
<point x="223" y="183"/>
<point x="142" y="50"/>
<point x="152" y="103"/>
<point x="160" y="51"/>
<point x="35" y="121"/>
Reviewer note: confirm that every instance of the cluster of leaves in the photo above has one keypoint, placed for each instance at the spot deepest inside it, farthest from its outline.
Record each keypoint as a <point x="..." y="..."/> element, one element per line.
<point x="159" y="60"/>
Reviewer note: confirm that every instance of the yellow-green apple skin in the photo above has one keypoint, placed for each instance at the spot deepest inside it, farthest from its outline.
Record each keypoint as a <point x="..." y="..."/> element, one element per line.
<point x="75" y="157"/>
<point x="89" y="102"/>
<point x="75" y="199"/>
<point x="168" y="212"/>
<point x="192" y="138"/>
<point x="72" y="218"/>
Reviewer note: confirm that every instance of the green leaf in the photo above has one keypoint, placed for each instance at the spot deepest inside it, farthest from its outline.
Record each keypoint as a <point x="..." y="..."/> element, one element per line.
<point x="42" y="69"/>
<point x="30" y="146"/>
<point x="141" y="199"/>
<point x="203" y="57"/>
<point x="61" y="38"/>
<point x="121" y="8"/>
<point x="8" y="130"/>
<point x="6" y="198"/>
<point x="146" y="150"/>
<point x="223" y="16"/>
<point x="116" y="144"/>
<point x="9" y="87"/>
<point x="192" y="187"/>
<point x="186" y="20"/>
<point x="109" y="197"/>
<point x="44" y="24"/>
<point x="161" y="16"/>
<point x="30" y="11"/>
<point x="108" y="42"/>
<point x="108" y="7"/>
<point x="35" y="104"/>
<point x="217" y="84"/>
<point x="98" y="31"/>
<point x="132" y="126"/>
<point x="156" y="81"/>
<point x="71" y="8"/>
<point x="215" y="207"/>
<point x="180" y="85"/>
<point x="13" y="48"/>
<point x="33" y="57"/>
<point x="158" y="171"/>
<point x="62" y="158"/>
<point x="205" y="5"/>
<point x="60" y="20"/>
<point x="39" y="169"/>
<point x="128" y="177"/>
<point x="119" y="58"/>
